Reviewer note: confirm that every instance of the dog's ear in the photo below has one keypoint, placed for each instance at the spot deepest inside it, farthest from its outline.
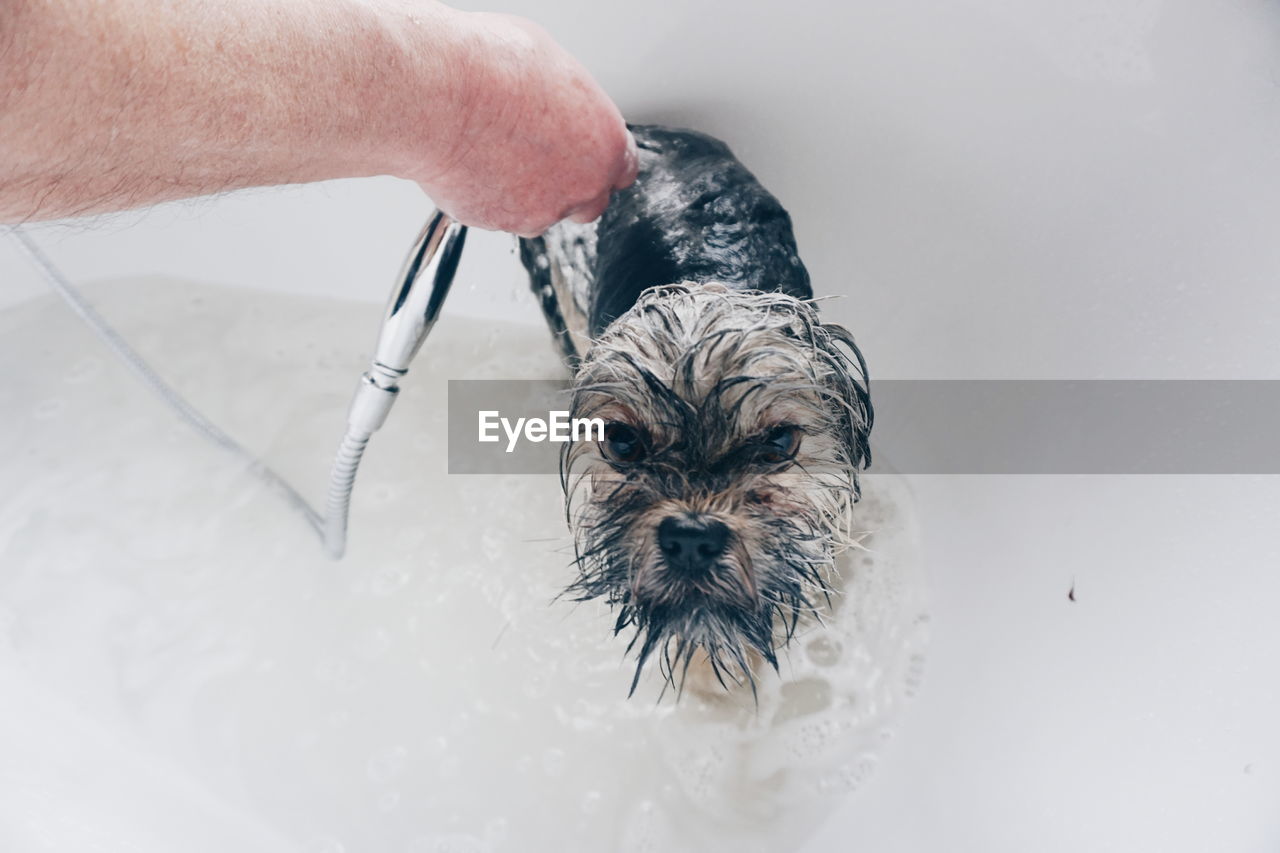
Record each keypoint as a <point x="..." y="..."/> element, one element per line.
<point x="850" y="388"/>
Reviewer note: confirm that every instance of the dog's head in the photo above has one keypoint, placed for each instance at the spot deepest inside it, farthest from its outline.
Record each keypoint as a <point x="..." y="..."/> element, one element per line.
<point x="710" y="513"/>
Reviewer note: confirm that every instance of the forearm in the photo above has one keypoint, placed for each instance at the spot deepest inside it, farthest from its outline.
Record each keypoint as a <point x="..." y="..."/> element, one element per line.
<point x="106" y="104"/>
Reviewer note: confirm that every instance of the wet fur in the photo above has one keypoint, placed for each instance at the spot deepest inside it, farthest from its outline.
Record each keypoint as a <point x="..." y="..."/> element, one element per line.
<point x="685" y="313"/>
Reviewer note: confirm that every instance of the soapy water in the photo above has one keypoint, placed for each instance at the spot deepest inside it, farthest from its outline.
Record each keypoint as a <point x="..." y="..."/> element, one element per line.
<point x="159" y="607"/>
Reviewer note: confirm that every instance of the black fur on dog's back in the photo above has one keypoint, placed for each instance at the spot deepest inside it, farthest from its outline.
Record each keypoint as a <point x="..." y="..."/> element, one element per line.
<point x="695" y="213"/>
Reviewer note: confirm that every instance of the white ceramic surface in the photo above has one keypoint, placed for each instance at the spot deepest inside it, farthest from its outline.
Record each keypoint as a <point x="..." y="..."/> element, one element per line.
<point x="999" y="190"/>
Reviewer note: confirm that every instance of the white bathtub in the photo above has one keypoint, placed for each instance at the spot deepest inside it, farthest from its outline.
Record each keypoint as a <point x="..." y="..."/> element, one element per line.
<point x="1033" y="190"/>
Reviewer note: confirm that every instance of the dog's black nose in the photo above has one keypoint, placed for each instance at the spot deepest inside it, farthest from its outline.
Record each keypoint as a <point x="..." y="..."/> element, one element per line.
<point x="690" y="543"/>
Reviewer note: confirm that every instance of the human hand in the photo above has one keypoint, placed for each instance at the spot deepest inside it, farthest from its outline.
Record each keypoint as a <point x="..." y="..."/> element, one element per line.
<point x="534" y="140"/>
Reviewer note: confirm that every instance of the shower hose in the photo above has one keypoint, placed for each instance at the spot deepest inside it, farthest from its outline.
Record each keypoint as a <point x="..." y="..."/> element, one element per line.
<point x="412" y="310"/>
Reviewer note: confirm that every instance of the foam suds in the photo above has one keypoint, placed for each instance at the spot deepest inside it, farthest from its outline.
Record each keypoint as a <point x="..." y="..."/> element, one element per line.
<point x="425" y="694"/>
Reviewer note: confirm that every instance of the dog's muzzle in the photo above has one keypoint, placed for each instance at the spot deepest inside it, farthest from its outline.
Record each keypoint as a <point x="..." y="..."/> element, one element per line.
<point x="692" y="545"/>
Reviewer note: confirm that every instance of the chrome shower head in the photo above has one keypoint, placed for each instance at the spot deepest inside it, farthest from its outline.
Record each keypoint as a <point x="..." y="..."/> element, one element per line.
<point x="415" y="302"/>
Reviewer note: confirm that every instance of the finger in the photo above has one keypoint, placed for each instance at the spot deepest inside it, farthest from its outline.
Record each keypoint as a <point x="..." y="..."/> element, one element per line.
<point x="630" y="165"/>
<point x="531" y="228"/>
<point x="591" y="210"/>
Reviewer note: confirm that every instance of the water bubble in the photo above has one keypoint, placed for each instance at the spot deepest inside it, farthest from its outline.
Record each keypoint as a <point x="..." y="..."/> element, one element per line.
<point x="823" y="651"/>
<point x="553" y="761"/>
<point x="803" y="698"/>
<point x="537" y="685"/>
<point x="83" y="370"/>
<point x="848" y="777"/>
<point x="459" y="723"/>
<point x="388" y="764"/>
<point x="701" y="772"/>
<point x="388" y="801"/>
<point x="376" y="644"/>
<point x="491" y="545"/>
<point x="643" y="833"/>
<point x="811" y="738"/>
<point x="388" y="579"/>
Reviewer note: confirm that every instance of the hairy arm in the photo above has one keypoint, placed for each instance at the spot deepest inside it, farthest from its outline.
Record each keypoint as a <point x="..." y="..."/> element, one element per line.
<point x="110" y="104"/>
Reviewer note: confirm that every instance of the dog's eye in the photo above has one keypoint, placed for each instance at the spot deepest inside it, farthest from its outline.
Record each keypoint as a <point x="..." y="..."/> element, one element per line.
<point x="622" y="443"/>
<point x="780" y="444"/>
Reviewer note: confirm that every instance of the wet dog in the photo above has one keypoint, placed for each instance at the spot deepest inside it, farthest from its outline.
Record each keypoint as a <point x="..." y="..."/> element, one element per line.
<point x="710" y="514"/>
